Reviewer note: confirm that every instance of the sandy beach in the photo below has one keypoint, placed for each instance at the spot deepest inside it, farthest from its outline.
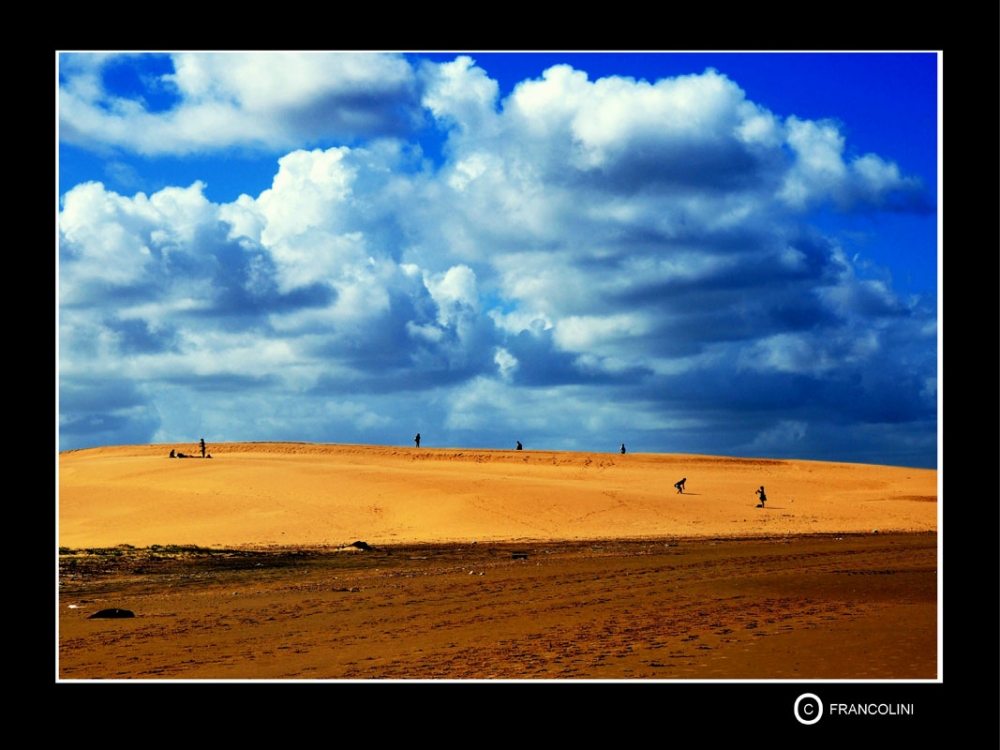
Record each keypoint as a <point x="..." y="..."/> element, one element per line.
<point x="490" y="564"/>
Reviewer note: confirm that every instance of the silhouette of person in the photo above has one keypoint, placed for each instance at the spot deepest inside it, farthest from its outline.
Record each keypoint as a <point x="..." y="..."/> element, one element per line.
<point x="763" y="497"/>
<point x="417" y="440"/>
<point x="623" y="449"/>
<point x="172" y="455"/>
<point x="518" y="445"/>
<point x="202" y="444"/>
<point x="680" y="485"/>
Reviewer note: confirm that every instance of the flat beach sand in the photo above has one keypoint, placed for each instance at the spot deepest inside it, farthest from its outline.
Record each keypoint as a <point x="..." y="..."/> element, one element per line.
<point x="295" y="560"/>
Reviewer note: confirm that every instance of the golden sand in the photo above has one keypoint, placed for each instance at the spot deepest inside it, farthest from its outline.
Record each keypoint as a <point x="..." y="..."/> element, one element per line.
<point x="487" y="564"/>
<point x="309" y="494"/>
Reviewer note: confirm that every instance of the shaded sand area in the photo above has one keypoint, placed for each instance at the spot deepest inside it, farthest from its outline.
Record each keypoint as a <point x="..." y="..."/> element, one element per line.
<point x="492" y="564"/>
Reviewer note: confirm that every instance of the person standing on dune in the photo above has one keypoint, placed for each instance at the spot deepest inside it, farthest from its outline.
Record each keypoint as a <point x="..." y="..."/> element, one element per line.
<point x="417" y="440"/>
<point x="763" y="497"/>
<point x="202" y="445"/>
<point x="623" y="449"/>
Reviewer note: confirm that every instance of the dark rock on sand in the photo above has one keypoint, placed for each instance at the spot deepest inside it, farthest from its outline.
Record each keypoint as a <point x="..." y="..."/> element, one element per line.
<point x="110" y="614"/>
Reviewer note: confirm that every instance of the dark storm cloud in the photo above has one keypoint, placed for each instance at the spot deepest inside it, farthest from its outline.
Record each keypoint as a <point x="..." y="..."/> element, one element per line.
<point x="94" y="424"/>
<point x="542" y="363"/>
<point x="93" y="411"/>
<point x="887" y="393"/>
<point x="656" y="167"/>
<point x="244" y="281"/>
<point x="352" y="115"/>
<point x="85" y="394"/>
<point x="386" y="356"/>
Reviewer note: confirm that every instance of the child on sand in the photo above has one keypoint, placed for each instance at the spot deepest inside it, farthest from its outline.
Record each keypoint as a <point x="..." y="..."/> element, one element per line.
<point x="763" y="497"/>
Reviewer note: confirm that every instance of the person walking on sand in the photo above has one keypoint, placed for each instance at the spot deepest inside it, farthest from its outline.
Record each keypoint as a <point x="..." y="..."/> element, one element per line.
<point x="763" y="497"/>
<point x="680" y="486"/>
<point x="202" y="445"/>
<point x="623" y="449"/>
<point x="417" y="440"/>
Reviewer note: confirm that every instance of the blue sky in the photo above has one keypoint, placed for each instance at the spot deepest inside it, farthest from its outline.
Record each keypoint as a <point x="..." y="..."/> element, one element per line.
<point x="728" y="253"/>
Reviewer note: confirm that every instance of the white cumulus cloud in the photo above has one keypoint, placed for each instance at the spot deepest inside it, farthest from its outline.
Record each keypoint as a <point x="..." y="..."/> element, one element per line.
<point x="267" y="100"/>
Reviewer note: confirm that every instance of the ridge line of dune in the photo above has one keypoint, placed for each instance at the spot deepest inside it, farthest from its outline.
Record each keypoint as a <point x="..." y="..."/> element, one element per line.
<point x="275" y="447"/>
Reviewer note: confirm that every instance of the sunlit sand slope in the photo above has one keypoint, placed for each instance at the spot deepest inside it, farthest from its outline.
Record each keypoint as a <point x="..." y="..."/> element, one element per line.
<point x="310" y="494"/>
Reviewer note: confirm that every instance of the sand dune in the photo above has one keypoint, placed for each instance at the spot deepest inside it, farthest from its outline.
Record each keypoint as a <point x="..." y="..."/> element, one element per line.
<point x="587" y="565"/>
<point x="301" y="494"/>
